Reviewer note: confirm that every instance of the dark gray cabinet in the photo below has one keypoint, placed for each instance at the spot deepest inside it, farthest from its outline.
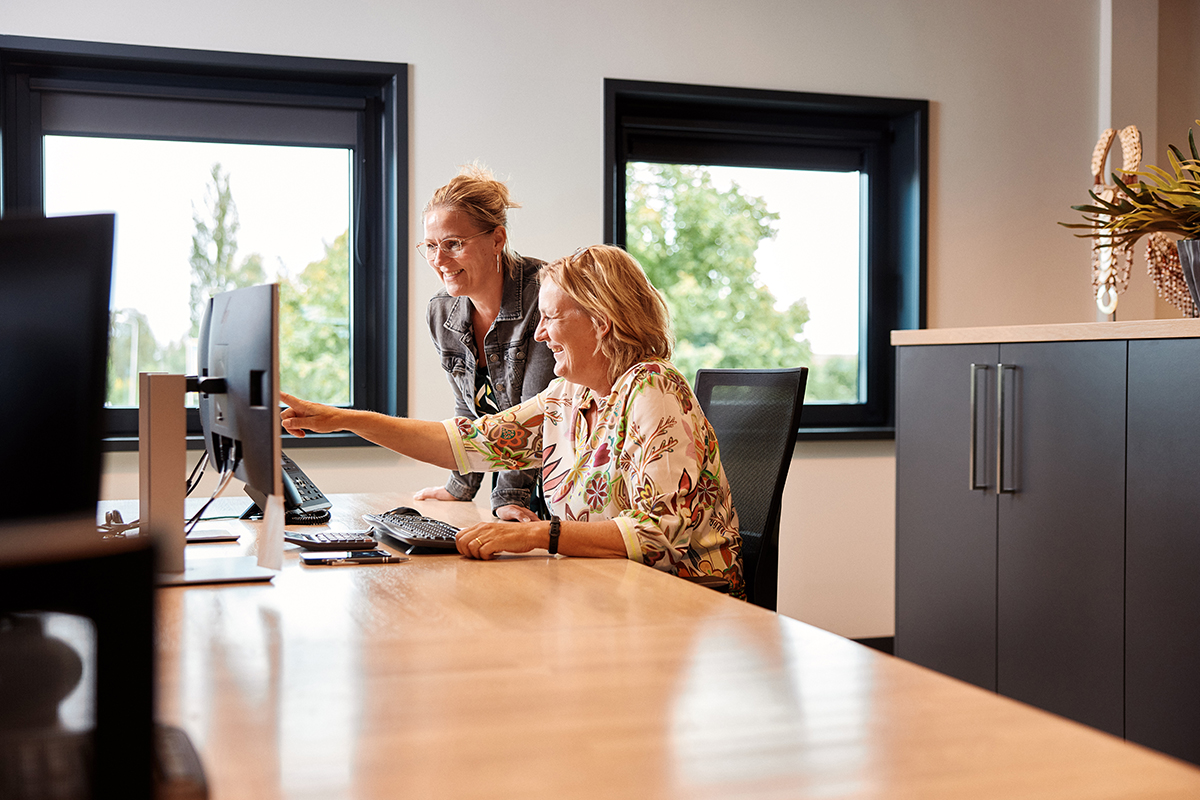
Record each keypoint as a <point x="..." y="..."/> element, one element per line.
<point x="1010" y="462"/>
<point x="1162" y="665"/>
<point x="1048" y="535"/>
<point x="945" y="531"/>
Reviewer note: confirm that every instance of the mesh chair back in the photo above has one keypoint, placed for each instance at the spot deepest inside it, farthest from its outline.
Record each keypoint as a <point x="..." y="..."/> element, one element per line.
<point x="755" y="413"/>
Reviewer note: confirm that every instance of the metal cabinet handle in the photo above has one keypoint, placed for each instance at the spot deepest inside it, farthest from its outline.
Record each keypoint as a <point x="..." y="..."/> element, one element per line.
<point x="973" y="472"/>
<point x="1001" y="428"/>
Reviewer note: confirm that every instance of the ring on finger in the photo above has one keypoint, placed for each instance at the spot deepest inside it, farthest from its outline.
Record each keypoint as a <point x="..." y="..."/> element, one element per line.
<point x="476" y="542"/>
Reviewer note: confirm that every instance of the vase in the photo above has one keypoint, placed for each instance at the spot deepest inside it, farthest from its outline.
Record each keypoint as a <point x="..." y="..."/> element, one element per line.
<point x="1189" y="260"/>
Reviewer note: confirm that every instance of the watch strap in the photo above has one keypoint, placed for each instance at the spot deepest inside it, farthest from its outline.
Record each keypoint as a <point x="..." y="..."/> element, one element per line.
<point x="555" y="523"/>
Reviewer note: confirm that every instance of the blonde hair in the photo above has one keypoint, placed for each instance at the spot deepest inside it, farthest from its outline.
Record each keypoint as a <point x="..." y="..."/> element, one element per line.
<point x="474" y="191"/>
<point x="611" y="285"/>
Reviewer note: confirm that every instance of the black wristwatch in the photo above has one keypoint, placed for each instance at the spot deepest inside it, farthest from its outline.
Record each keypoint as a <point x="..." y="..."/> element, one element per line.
<point x="555" y="522"/>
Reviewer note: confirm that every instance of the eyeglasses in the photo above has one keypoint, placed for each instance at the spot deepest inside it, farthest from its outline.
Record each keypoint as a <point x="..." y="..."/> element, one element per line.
<point x="451" y="246"/>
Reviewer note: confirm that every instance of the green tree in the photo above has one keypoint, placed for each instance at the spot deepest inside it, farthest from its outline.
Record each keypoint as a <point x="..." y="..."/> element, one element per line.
<point x="214" y="249"/>
<point x="133" y="348"/>
<point x="697" y="245"/>
<point x="314" y="308"/>
<point x="833" y="379"/>
<point x="314" y="327"/>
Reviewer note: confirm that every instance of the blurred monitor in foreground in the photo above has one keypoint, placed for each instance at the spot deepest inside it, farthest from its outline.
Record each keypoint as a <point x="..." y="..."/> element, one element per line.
<point x="55" y="276"/>
<point x="76" y="610"/>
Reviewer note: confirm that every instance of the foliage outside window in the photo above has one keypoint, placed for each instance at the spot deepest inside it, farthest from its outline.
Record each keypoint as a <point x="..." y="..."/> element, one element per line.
<point x="315" y="301"/>
<point x="699" y="244"/>
<point x="343" y="305"/>
<point x="314" y="314"/>
<point x="699" y="237"/>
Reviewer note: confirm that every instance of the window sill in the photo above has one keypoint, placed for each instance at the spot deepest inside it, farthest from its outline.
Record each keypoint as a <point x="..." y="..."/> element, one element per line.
<point x="844" y="434"/>
<point x="117" y="444"/>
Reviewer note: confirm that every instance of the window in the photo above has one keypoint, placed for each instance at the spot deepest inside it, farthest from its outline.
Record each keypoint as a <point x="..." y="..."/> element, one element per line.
<point x="785" y="229"/>
<point x="225" y="170"/>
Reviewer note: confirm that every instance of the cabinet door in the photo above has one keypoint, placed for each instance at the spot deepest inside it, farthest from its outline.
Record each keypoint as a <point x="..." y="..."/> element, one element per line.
<point x="945" y="530"/>
<point x="1060" y="556"/>
<point x="1163" y="548"/>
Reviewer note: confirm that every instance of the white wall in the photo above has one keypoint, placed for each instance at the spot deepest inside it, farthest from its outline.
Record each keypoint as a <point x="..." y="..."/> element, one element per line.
<point x="1014" y="91"/>
<point x="1178" y="64"/>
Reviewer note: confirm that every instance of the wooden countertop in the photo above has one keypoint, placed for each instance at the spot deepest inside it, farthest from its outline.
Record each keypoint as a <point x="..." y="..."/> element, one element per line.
<point x="546" y="677"/>
<point x="1082" y="331"/>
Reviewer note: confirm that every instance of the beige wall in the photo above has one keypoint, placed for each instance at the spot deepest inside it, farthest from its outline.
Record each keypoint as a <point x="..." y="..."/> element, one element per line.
<point x="1178" y="65"/>
<point x="1016" y="96"/>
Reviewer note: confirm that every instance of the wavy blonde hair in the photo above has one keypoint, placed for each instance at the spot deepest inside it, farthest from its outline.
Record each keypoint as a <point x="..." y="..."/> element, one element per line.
<point x="611" y="285"/>
<point x="474" y="191"/>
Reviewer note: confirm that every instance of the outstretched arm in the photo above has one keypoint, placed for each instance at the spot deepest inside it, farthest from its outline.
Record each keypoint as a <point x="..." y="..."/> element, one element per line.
<point x="416" y="438"/>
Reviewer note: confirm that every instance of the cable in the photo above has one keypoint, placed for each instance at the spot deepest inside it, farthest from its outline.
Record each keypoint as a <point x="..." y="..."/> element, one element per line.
<point x="194" y="480"/>
<point x="222" y="482"/>
<point x="115" y="525"/>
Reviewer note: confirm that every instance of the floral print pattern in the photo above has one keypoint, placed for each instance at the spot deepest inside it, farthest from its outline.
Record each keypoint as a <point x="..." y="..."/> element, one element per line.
<point x="651" y="464"/>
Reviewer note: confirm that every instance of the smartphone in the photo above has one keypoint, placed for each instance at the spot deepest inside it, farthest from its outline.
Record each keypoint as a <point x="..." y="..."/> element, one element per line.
<point x="352" y="557"/>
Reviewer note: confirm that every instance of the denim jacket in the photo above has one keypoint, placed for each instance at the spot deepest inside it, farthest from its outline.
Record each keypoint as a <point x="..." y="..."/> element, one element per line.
<point x="518" y="366"/>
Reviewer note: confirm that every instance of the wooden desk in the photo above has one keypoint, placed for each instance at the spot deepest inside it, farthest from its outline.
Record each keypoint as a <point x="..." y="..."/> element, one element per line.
<point x="537" y="677"/>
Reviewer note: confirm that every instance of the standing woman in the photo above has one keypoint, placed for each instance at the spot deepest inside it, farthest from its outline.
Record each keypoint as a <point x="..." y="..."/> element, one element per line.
<point x="482" y="322"/>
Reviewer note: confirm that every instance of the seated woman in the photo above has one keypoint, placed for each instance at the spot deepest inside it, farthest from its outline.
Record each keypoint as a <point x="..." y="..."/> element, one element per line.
<point x="629" y="463"/>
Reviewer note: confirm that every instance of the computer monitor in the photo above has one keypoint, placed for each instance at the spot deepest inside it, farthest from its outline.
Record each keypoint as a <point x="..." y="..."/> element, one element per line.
<point x="55" y="278"/>
<point x="238" y="383"/>
<point x="239" y="354"/>
<point x="76" y="610"/>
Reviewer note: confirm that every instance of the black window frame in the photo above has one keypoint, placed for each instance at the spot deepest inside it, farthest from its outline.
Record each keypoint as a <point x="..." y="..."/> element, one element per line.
<point x="377" y="92"/>
<point x="684" y="123"/>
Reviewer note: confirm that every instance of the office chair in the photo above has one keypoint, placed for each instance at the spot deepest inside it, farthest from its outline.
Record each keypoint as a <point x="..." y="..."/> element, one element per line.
<point x="755" y="413"/>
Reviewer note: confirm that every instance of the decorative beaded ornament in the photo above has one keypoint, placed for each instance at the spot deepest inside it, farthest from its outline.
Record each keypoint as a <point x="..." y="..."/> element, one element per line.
<point x="1162" y="262"/>
<point x="1111" y="265"/>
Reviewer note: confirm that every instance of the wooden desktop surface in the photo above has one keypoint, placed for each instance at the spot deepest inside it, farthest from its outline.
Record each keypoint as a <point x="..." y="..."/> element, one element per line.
<point x="541" y="677"/>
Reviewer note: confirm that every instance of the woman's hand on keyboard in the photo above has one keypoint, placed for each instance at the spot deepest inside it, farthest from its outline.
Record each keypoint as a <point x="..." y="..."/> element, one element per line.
<point x="596" y="539"/>
<point x="487" y="539"/>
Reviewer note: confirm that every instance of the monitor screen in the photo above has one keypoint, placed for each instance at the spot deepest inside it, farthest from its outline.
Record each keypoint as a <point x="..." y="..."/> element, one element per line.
<point x="239" y="343"/>
<point x="55" y="276"/>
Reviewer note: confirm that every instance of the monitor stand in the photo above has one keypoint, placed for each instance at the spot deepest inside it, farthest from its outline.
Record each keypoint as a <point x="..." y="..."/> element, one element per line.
<point x="201" y="534"/>
<point x="162" y="466"/>
<point x="226" y="569"/>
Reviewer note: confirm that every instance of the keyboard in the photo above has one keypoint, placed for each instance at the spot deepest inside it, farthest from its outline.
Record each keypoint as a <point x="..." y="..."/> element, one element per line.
<point x="410" y="527"/>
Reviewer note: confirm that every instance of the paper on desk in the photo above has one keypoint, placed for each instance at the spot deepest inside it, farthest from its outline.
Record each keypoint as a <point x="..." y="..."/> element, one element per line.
<point x="270" y="535"/>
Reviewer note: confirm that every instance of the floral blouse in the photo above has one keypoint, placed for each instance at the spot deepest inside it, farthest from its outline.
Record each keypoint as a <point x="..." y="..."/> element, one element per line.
<point x="651" y="465"/>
